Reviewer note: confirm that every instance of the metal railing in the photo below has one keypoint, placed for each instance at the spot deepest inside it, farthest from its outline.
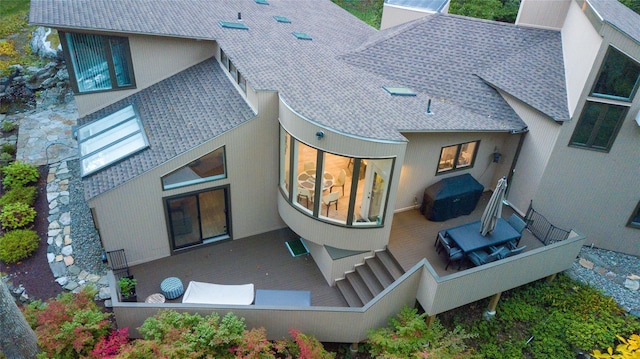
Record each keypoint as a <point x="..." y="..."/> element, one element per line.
<point x="542" y="229"/>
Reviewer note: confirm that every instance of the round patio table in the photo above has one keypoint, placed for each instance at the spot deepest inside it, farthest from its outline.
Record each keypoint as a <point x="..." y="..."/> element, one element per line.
<point x="307" y="180"/>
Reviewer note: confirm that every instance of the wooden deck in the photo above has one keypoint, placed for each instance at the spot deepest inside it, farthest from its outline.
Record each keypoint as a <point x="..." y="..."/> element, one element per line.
<point x="265" y="261"/>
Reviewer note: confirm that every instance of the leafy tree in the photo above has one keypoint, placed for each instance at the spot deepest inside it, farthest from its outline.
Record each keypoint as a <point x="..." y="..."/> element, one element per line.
<point x="17" y="339"/>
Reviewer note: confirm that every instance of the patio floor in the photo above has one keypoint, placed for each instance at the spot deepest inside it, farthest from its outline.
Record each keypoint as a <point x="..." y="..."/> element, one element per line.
<point x="265" y="261"/>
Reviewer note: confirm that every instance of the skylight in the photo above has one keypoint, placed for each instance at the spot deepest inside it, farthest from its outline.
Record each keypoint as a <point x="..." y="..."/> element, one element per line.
<point x="262" y="2"/>
<point x="110" y="139"/>
<point x="282" y="19"/>
<point x="399" y="91"/>
<point x="233" y="25"/>
<point x="301" y="36"/>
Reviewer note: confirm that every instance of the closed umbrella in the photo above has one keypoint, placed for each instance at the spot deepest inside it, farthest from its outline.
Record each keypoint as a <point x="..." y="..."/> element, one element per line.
<point x="493" y="211"/>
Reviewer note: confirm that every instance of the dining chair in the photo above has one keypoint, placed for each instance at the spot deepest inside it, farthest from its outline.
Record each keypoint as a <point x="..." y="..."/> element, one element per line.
<point x="513" y="252"/>
<point x="454" y="254"/>
<point x="481" y="257"/>
<point x="331" y="198"/>
<point x="303" y="193"/>
<point x="441" y="239"/>
<point x="309" y="166"/>
<point x="340" y="180"/>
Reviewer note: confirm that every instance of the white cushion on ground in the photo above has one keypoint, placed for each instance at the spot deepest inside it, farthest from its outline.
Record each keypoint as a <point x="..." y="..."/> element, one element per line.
<point x="209" y="293"/>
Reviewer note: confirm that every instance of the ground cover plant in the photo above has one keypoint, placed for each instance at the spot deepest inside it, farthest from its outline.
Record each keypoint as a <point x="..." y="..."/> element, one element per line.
<point x="546" y="320"/>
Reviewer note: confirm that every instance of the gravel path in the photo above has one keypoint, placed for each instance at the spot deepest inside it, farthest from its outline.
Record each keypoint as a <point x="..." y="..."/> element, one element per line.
<point x="616" y="274"/>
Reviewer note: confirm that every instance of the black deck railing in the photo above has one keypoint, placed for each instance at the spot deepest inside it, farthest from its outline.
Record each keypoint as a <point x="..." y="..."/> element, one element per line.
<point x="542" y="229"/>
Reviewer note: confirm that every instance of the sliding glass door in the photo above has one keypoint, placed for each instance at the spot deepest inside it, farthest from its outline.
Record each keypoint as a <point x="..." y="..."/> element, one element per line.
<point x="198" y="218"/>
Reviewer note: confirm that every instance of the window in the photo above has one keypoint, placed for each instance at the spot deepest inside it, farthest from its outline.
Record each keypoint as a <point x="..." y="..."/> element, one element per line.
<point x="209" y="167"/>
<point x="110" y="139"/>
<point x="350" y="191"/>
<point x="98" y="63"/>
<point x="224" y="59"/>
<point x="457" y="157"/>
<point x="198" y="218"/>
<point x="634" y="221"/>
<point x="619" y="77"/>
<point x="598" y="125"/>
<point x="242" y="82"/>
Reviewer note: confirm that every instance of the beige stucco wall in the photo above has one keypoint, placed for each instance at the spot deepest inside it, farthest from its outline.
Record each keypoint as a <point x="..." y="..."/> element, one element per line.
<point x="596" y="192"/>
<point x="323" y="233"/>
<point x="154" y="58"/>
<point x="132" y="216"/>
<point x="534" y="155"/>
<point x="581" y="44"/>
<point x="393" y="15"/>
<point x="423" y="153"/>
<point x="546" y="14"/>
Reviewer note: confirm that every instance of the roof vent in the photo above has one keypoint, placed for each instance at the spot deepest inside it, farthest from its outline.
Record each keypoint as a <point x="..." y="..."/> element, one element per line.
<point x="301" y="36"/>
<point x="262" y="2"/>
<point x="233" y="25"/>
<point x="429" y="108"/>
<point x="282" y="19"/>
<point x="399" y="91"/>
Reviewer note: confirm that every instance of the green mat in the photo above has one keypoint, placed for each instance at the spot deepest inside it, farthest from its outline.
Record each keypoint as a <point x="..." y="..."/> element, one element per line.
<point x="297" y="247"/>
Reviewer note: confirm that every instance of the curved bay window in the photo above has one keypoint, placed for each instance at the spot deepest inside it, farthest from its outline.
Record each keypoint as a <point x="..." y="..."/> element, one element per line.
<point x="338" y="189"/>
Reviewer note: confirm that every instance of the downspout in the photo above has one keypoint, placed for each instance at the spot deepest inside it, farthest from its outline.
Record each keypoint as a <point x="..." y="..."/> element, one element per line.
<point x="523" y="133"/>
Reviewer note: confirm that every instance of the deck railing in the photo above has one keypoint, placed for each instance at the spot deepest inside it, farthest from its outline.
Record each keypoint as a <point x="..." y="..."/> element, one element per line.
<point x="350" y="325"/>
<point x="542" y="229"/>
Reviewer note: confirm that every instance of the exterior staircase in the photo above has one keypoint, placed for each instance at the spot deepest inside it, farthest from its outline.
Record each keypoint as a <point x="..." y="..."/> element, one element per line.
<point x="358" y="287"/>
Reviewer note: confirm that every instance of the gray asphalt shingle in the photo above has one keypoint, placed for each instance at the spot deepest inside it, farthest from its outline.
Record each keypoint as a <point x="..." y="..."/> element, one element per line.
<point x="619" y="16"/>
<point x="178" y="114"/>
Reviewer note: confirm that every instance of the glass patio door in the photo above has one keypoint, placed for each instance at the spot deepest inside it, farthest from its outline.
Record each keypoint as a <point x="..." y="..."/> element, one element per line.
<point x="198" y="218"/>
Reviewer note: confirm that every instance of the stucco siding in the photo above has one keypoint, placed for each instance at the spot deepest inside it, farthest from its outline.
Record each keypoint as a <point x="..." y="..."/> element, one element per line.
<point x="534" y="155"/>
<point x="154" y="59"/>
<point x="395" y="15"/>
<point x="320" y="232"/>
<point x="547" y="14"/>
<point x="581" y="44"/>
<point x="423" y="153"/>
<point x="139" y="225"/>
<point x="596" y="192"/>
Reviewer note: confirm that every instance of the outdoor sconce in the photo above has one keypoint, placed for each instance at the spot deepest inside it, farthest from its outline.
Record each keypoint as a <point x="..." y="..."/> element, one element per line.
<point x="496" y="157"/>
<point x="320" y="135"/>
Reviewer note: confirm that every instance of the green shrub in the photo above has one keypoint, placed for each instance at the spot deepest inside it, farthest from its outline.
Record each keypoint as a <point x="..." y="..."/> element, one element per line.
<point x="19" y="174"/>
<point x="8" y="126"/>
<point x="9" y="148"/>
<point x="5" y="158"/>
<point x="185" y="335"/>
<point x="17" y="215"/>
<point x="26" y="195"/>
<point x="408" y="336"/>
<point x="69" y="326"/>
<point x="18" y="245"/>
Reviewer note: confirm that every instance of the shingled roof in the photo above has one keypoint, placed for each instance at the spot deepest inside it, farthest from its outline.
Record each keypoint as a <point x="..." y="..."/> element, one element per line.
<point x="618" y="16"/>
<point x="310" y="76"/>
<point x="178" y="114"/>
<point x="444" y="55"/>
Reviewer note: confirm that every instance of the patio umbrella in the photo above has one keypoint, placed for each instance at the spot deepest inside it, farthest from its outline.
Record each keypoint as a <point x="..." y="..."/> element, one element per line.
<point x="493" y="211"/>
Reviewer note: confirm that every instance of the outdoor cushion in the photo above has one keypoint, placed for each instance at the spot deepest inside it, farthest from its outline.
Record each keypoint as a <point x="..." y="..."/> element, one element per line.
<point x="171" y="287"/>
<point x="209" y="293"/>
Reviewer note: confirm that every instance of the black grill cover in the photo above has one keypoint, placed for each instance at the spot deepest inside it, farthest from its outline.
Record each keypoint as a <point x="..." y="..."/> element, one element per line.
<point x="451" y="197"/>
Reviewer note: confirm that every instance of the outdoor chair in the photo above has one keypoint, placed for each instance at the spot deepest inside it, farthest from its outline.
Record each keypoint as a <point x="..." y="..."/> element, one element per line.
<point x="518" y="224"/>
<point x="117" y="261"/>
<point x="441" y="239"/>
<point x="454" y="254"/>
<point x="481" y="257"/>
<point x="508" y="251"/>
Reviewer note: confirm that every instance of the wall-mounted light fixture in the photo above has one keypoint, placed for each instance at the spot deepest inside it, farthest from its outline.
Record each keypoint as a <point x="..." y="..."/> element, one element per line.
<point x="496" y="157"/>
<point x="320" y="135"/>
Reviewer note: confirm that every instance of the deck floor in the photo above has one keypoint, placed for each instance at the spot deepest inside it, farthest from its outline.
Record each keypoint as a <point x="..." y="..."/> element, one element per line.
<point x="265" y="261"/>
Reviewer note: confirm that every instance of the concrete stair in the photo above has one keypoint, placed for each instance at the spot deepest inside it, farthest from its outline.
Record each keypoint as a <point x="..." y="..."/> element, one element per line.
<point x="358" y="287"/>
